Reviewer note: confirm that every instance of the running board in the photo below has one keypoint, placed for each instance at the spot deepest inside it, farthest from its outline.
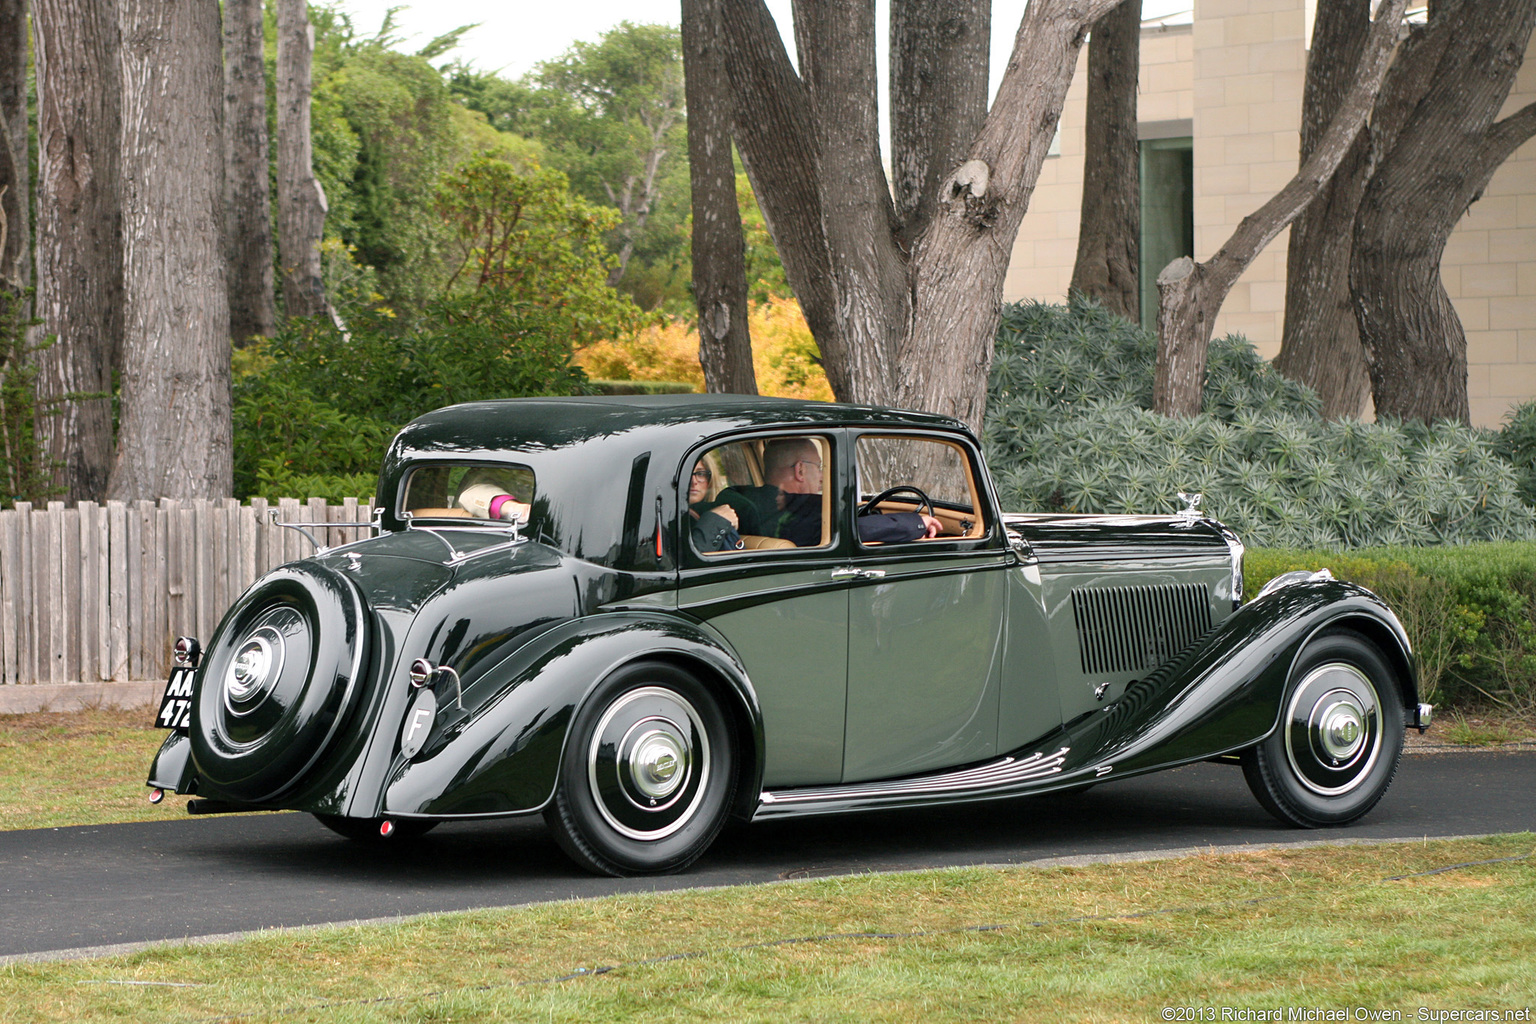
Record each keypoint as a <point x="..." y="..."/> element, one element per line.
<point x="1006" y="776"/>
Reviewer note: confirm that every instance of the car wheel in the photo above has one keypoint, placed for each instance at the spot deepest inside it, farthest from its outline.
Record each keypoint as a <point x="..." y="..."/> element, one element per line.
<point x="1339" y="740"/>
<point x="277" y="682"/>
<point x="366" y="830"/>
<point x="647" y="775"/>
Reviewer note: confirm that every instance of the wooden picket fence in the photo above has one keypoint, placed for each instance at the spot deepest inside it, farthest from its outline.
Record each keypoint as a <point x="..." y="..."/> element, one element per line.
<point x="98" y="593"/>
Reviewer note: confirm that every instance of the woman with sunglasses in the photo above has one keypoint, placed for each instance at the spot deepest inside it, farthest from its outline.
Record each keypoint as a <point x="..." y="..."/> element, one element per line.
<point x="714" y="523"/>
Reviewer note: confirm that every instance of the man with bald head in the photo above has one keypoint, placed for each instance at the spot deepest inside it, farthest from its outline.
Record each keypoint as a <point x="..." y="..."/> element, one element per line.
<point x="788" y="504"/>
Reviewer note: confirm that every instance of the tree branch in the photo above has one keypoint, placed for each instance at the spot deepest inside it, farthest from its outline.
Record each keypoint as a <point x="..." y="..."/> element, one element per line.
<point x="1504" y="137"/>
<point x="1007" y="140"/>
<point x="1191" y="294"/>
<point x="1259" y="228"/>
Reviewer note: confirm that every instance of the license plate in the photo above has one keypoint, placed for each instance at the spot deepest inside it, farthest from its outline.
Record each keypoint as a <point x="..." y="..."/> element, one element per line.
<point x="176" y="704"/>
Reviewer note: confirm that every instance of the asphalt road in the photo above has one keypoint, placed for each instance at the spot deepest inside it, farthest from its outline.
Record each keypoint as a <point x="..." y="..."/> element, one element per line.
<point x="93" y="886"/>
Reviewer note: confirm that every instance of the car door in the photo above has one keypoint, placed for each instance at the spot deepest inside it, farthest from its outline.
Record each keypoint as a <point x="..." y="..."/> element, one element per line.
<point x="927" y="618"/>
<point x="783" y="607"/>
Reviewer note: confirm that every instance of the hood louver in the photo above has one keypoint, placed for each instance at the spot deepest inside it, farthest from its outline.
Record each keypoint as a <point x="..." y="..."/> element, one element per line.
<point x="1136" y="629"/>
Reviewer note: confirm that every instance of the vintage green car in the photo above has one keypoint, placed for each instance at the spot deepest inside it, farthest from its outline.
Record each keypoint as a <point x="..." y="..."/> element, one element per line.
<point x="642" y="616"/>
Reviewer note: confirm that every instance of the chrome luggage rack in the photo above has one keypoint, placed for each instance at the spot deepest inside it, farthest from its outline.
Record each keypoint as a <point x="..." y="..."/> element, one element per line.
<point x="375" y="525"/>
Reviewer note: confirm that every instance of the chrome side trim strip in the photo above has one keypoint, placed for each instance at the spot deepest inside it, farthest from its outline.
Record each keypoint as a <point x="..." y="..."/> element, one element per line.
<point x="998" y="774"/>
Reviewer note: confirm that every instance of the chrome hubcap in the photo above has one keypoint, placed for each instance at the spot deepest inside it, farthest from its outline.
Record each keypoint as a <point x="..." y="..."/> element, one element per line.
<point x="648" y="763"/>
<point x="1342" y="730"/>
<point x="659" y="763"/>
<point x="1333" y="729"/>
<point x="255" y="669"/>
<point x="250" y="668"/>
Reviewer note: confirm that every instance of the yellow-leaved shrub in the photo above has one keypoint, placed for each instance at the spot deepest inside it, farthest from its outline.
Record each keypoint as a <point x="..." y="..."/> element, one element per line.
<point x="784" y="355"/>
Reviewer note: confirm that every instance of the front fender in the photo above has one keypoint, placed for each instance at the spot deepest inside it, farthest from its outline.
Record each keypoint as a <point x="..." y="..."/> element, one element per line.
<point x="504" y="758"/>
<point x="1225" y="693"/>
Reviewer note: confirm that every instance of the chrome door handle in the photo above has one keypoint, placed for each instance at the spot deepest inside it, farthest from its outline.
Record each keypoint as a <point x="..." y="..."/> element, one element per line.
<point x="858" y="574"/>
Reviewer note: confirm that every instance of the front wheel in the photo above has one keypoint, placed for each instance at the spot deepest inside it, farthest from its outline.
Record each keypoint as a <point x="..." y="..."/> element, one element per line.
<point x="1339" y="739"/>
<point x="647" y="775"/>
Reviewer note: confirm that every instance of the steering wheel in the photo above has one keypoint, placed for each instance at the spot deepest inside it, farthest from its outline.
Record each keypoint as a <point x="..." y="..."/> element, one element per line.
<point x="872" y="506"/>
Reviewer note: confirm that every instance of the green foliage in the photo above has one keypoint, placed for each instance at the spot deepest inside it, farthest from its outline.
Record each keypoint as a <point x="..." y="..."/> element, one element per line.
<point x="386" y="129"/>
<point x="1467" y="611"/>
<point x="315" y="408"/>
<point x="503" y="101"/>
<point x="610" y="114"/>
<point x="24" y="469"/>
<point x="1517" y="443"/>
<point x="1069" y="428"/>
<point x="521" y="238"/>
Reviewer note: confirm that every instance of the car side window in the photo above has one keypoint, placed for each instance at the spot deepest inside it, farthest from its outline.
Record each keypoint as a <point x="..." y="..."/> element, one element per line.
<point x="761" y="494"/>
<point x="915" y="489"/>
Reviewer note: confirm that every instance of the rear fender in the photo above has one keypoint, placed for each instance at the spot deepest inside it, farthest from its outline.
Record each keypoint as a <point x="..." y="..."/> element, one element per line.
<point x="1224" y="694"/>
<point x="504" y="757"/>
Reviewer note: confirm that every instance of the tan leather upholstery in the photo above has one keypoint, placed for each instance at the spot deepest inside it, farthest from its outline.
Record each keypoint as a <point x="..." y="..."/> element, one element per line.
<point x="440" y="513"/>
<point x="754" y="542"/>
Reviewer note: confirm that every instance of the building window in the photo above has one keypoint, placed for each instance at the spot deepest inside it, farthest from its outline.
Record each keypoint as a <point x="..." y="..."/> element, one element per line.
<point x="1167" y="213"/>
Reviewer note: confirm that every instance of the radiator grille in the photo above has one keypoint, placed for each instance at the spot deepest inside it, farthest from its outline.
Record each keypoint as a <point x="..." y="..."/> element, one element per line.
<point x="1136" y="629"/>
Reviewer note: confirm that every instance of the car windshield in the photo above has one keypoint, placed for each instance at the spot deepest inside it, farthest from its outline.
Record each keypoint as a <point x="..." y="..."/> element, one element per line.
<point x="489" y="491"/>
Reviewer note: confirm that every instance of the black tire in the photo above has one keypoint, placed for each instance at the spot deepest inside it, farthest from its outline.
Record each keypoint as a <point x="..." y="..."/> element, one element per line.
<point x="647" y="774"/>
<point x="1340" y="736"/>
<point x="277" y="682"/>
<point x="366" y="830"/>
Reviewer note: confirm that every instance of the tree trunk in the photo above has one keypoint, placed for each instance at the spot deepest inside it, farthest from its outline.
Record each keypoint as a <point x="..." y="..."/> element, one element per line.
<point x="774" y="134"/>
<point x="959" y="263"/>
<point x="836" y="43"/>
<point x="13" y="205"/>
<point x="300" y="199"/>
<point x="894" y="327"/>
<point x="79" y="237"/>
<point x="1437" y="146"/>
<point x="175" y="421"/>
<point x="247" y="208"/>
<point x="1108" y="240"/>
<point x="1190" y="295"/>
<point x="938" y="89"/>
<point x="15" y="167"/>
<point x="719" y="260"/>
<point x="1320" y="346"/>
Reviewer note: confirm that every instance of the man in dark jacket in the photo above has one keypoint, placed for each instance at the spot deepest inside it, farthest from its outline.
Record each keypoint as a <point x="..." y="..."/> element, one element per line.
<point x="789" y="504"/>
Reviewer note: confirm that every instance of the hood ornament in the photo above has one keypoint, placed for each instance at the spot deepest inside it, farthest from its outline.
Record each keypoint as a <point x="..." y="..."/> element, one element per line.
<point x="1190" y="514"/>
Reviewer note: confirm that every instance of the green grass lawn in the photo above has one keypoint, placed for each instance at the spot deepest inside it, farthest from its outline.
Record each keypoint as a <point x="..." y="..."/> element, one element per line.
<point x="1335" y="928"/>
<point x="79" y="768"/>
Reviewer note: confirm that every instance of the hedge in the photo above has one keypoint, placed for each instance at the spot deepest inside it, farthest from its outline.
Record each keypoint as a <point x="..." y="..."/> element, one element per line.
<point x="1467" y="611"/>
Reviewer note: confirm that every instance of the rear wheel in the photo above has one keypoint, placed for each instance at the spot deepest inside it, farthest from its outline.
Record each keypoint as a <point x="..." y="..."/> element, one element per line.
<point x="1339" y="740"/>
<point x="647" y="775"/>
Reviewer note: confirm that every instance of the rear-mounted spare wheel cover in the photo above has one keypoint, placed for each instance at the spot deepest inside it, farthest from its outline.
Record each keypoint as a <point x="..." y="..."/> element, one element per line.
<point x="277" y="682"/>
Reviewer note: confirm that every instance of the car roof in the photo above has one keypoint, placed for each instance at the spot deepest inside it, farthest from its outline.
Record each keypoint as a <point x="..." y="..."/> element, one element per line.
<point x="522" y="423"/>
<point x="599" y="459"/>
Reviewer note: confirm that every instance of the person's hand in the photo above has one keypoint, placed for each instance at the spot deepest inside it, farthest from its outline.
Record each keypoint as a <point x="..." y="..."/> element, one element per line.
<point x="728" y="514"/>
<point x="931" y="527"/>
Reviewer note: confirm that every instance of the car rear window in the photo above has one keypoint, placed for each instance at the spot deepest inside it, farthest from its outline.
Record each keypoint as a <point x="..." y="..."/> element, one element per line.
<point x="497" y="491"/>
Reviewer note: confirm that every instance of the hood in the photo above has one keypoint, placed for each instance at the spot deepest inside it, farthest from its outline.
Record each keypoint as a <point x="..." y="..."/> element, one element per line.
<point x="1073" y="538"/>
